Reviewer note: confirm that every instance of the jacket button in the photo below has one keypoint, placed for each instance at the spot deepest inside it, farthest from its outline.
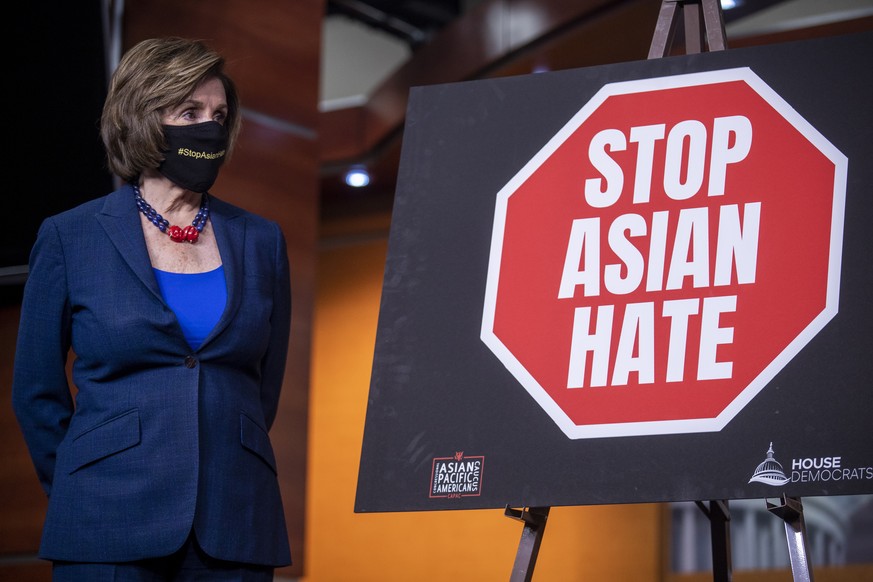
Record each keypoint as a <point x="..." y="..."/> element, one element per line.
<point x="190" y="362"/>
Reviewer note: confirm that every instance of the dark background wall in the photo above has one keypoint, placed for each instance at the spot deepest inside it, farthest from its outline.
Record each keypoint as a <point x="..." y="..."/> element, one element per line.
<point x="54" y="94"/>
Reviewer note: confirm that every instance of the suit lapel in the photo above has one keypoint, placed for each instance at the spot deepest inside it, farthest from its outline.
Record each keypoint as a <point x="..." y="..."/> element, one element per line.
<point x="120" y="219"/>
<point x="229" y="228"/>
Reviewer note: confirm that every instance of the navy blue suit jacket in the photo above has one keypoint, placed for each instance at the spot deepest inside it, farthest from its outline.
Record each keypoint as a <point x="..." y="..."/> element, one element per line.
<point x="162" y="438"/>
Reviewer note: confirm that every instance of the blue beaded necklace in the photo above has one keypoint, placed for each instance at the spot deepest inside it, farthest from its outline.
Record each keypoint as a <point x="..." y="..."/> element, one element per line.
<point x="176" y="233"/>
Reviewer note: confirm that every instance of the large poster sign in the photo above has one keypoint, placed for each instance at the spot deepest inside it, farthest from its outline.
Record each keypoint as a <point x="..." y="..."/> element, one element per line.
<point x="640" y="259"/>
<point x="631" y="283"/>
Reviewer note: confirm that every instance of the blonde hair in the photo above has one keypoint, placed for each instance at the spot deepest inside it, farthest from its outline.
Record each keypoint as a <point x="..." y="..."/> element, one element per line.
<point x="156" y="75"/>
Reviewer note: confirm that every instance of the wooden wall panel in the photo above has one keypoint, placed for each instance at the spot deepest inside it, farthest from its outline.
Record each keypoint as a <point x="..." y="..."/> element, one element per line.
<point x="495" y="39"/>
<point x="26" y="572"/>
<point x="272" y="48"/>
<point x="474" y="47"/>
<point x="341" y="133"/>
<point x="22" y="501"/>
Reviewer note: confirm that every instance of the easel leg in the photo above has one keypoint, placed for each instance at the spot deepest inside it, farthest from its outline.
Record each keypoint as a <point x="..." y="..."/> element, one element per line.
<point x="665" y="28"/>
<point x="695" y="40"/>
<point x="791" y="512"/>
<point x="534" y="519"/>
<point x="713" y="18"/>
<point x="720" y="534"/>
<point x="704" y="27"/>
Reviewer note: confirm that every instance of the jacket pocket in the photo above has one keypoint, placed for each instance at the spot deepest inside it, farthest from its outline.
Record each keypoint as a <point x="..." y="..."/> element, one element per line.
<point x="254" y="438"/>
<point x="107" y="438"/>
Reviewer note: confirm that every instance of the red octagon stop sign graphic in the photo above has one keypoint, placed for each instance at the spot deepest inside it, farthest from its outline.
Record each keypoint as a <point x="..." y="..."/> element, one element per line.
<point x="665" y="254"/>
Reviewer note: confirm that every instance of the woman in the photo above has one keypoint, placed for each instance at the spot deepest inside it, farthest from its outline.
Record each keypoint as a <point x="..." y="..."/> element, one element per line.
<point x="177" y="308"/>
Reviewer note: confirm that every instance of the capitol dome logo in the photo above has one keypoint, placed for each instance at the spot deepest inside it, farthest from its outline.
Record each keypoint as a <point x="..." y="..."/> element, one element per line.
<point x="769" y="472"/>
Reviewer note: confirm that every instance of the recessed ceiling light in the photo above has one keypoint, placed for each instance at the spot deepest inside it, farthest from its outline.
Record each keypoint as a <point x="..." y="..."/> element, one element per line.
<point x="357" y="177"/>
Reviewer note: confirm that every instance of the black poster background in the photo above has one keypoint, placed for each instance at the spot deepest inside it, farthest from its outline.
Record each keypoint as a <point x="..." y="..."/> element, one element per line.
<point x="436" y="389"/>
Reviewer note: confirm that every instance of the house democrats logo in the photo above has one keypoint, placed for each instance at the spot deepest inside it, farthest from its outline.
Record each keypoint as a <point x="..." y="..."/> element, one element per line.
<point x="770" y="471"/>
<point x="807" y="470"/>
<point x="456" y="476"/>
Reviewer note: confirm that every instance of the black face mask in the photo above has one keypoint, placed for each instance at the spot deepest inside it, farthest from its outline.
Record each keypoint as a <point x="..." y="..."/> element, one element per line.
<point x="194" y="154"/>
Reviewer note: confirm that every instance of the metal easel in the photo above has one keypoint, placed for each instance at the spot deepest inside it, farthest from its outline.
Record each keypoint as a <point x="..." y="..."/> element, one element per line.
<point x="704" y="26"/>
<point x="703" y="22"/>
<point x="791" y="512"/>
<point x="534" y="519"/>
<point x="719" y="516"/>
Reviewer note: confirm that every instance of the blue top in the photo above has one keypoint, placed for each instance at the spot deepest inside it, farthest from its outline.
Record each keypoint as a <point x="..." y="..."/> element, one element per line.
<point x="197" y="299"/>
